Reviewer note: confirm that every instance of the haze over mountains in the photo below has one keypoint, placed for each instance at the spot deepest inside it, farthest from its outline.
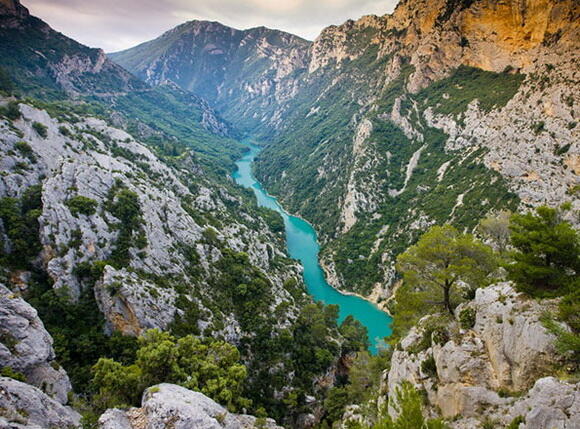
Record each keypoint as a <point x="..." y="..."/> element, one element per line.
<point x="141" y="287"/>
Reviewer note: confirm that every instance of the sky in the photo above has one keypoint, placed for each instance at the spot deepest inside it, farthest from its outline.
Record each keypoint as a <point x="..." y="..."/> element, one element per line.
<point x="114" y="25"/>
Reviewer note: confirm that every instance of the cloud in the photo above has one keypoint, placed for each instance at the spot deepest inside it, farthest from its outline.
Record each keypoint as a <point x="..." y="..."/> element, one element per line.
<point x="120" y="24"/>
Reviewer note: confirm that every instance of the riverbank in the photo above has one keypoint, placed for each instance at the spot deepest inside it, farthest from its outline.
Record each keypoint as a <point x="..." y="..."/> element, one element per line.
<point x="302" y="244"/>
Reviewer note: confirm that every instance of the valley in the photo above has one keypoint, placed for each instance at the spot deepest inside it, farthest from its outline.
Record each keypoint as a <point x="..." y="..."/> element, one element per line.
<point x="303" y="246"/>
<point x="244" y="229"/>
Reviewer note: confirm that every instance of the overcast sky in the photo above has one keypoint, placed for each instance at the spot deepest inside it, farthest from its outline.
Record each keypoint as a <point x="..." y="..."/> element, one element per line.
<point x="118" y="24"/>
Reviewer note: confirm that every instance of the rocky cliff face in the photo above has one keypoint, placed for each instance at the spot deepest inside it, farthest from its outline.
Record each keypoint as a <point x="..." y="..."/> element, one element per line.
<point x="254" y="67"/>
<point x="26" y="347"/>
<point x="415" y="106"/>
<point x="81" y="162"/>
<point x="489" y="364"/>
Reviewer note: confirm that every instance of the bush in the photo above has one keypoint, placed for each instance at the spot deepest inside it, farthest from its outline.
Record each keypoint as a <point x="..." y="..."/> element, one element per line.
<point x="408" y="403"/>
<point x="20" y="218"/>
<point x="10" y="373"/>
<point x="40" y="129"/>
<point x="429" y="367"/>
<point x="11" y="111"/>
<point x="25" y="150"/>
<point x="467" y="318"/>
<point x="6" y="85"/>
<point x="211" y="367"/>
<point x="82" y="205"/>
<point x="515" y="423"/>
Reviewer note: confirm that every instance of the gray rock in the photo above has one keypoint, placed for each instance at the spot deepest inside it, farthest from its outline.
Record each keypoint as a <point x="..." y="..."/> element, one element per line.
<point x="26" y="347"/>
<point x="166" y="404"/>
<point x="550" y="404"/>
<point x="25" y="406"/>
<point x="507" y="349"/>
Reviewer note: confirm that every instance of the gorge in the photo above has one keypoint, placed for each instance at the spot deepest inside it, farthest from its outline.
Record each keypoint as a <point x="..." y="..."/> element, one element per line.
<point x="424" y="162"/>
<point x="303" y="246"/>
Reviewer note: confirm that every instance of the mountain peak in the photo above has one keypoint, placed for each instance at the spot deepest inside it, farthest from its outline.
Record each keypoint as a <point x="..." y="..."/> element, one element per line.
<point x="13" y="8"/>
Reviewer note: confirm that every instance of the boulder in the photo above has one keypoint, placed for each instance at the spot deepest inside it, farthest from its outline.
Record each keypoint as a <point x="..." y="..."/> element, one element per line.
<point x="26" y="346"/>
<point x="25" y="406"/>
<point x="168" y="404"/>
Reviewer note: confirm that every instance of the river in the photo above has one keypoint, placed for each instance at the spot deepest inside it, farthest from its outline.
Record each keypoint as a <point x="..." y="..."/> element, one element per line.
<point x="303" y="245"/>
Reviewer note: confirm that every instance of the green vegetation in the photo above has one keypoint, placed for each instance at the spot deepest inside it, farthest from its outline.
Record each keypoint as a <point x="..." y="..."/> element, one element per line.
<point x="546" y="260"/>
<point x="211" y="367"/>
<point x="467" y="318"/>
<point x="82" y="205"/>
<point x="408" y="403"/>
<point x="6" y="85"/>
<point x="40" y="129"/>
<point x="361" y="386"/>
<point x="124" y="205"/>
<point x="6" y="371"/>
<point x="20" y="220"/>
<point x="442" y="260"/>
<point x="11" y="111"/>
<point x="451" y="96"/>
<point x="78" y="330"/>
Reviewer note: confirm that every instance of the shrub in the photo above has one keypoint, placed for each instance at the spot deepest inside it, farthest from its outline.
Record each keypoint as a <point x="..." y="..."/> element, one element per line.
<point x="467" y="318"/>
<point x="10" y="373"/>
<point x="515" y="423"/>
<point x="82" y="205"/>
<point x="40" y="129"/>
<point x="11" y="111"/>
<point x="211" y="367"/>
<point x="25" y="150"/>
<point x="429" y="367"/>
<point x="6" y="85"/>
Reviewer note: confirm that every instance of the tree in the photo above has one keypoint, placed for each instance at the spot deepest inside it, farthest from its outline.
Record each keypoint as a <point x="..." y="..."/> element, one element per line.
<point x="497" y="229"/>
<point x="407" y="402"/>
<point x="442" y="261"/>
<point x="546" y="260"/>
<point x="210" y="367"/>
<point x="355" y="335"/>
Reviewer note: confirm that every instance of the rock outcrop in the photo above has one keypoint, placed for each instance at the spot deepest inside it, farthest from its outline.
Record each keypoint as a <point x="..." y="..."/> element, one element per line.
<point x="25" y="407"/>
<point x="26" y="347"/>
<point x="166" y="404"/>
<point x="489" y="363"/>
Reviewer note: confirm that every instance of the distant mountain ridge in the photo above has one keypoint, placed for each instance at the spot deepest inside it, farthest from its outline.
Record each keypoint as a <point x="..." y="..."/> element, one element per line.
<point x="220" y="63"/>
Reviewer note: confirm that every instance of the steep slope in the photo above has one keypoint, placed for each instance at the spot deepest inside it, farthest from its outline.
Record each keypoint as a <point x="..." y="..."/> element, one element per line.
<point x="92" y="222"/>
<point x="118" y="215"/>
<point x="243" y="74"/>
<point x="441" y="112"/>
<point x="420" y="135"/>
<point x="44" y="62"/>
<point x="39" y="62"/>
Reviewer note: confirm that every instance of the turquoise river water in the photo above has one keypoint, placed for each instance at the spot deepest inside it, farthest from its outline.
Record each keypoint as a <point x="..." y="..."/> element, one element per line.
<point x="303" y="245"/>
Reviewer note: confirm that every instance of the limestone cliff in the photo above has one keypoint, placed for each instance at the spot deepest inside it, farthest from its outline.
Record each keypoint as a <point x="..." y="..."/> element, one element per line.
<point x="79" y="160"/>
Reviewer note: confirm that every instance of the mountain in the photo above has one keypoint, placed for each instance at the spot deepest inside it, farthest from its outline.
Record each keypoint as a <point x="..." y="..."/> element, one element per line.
<point x="44" y="64"/>
<point x="43" y="61"/>
<point x="441" y="112"/>
<point x="118" y="217"/>
<point x="138" y="283"/>
<point x="222" y="64"/>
